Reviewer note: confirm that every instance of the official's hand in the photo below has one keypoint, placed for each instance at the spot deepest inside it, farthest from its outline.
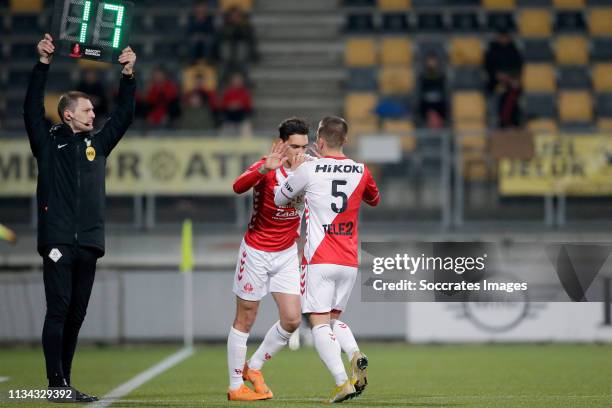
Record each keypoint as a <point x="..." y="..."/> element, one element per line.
<point x="45" y="49"/>
<point x="277" y="156"/>
<point x="127" y="59"/>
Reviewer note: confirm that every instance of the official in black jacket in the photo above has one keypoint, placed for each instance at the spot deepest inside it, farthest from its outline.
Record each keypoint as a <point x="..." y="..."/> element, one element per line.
<point x="71" y="161"/>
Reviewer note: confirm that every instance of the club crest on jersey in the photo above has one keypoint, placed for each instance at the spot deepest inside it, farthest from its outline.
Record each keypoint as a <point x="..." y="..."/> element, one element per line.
<point x="338" y="168"/>
<point x="248" y="288"/>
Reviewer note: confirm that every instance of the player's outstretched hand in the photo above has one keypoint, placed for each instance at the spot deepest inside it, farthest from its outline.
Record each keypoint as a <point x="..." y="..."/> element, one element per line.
<point x="298" y="160"/>
<point x="45" y="49"/>
<point x="277" y="156"/>
<point x="127" y="59"/>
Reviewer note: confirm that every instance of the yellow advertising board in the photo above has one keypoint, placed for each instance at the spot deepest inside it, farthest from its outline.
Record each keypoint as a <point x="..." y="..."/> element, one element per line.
<point x="163" y="166"/>
<point x="574" y="165"/>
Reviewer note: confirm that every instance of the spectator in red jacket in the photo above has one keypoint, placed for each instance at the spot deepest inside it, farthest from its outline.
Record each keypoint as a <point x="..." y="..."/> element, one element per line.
<point x="162" y="99"/>
<point x="236" y="106"/>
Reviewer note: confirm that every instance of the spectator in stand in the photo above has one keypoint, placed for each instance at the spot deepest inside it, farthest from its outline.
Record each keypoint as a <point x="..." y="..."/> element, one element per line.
<point x="238" y="46"/>
<point x="503" y="65"/>
<point x="199" y="107"/>
<point x="162" y="99"/>
<point x="432" y="93"/>
<point x="201" y="33"/>
<point x="236" y="106"/>
<point x="94" y="88"/>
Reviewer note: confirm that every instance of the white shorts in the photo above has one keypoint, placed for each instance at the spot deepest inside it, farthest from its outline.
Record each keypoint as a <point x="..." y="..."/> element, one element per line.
<point x="259" y="272"/>
<point x="328" y="287"/>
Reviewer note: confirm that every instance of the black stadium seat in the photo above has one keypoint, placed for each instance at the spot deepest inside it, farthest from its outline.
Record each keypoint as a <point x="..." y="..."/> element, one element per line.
<point x="395" y="22"/>
<point x="360" y="23"/>
<point x="574" y="77"/>
<point x="537" y="50"/>
<point x="569" y="21"/>
<point x="540" y="106"/>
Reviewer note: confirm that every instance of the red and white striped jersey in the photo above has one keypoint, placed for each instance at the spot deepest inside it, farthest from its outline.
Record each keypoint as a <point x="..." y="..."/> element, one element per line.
<point x="334" y="188"/>
<point x="272" y="228"/>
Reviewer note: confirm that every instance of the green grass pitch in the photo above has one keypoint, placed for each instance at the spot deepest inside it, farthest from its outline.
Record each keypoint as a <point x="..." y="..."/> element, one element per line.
<point x="399" y="375"/>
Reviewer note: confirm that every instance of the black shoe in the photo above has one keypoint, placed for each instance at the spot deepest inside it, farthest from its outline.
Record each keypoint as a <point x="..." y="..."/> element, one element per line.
<point x="82" y="397"/>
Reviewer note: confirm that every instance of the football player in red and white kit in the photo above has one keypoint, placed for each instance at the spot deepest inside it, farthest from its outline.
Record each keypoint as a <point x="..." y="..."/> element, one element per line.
<point x="334" y="187"/>
<point x="267" y="262"/>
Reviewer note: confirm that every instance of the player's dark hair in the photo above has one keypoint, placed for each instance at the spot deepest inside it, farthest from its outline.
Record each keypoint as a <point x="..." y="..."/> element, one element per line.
<point x="68" y="101"/>
<point x="333" y="129"/>
<point x="292" y="126"/>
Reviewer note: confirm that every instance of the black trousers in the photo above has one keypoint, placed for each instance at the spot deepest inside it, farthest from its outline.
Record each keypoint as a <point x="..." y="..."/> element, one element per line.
<point x="68" y="273"/>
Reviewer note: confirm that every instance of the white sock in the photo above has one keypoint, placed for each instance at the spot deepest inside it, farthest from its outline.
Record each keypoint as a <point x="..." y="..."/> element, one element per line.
<point x="276" y="338"/>
<point x="329" y="350"/>
<point x="236" y="356"/>
<point x="345" y="337"/>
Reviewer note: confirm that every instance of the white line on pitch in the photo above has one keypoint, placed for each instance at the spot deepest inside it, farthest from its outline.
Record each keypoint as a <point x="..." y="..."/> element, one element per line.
<point x="4" y="379"/>
<point x="142" y="378"/>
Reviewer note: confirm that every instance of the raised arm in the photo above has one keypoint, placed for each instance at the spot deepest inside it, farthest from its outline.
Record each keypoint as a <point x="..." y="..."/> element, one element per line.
<point x="294" y="185"/>
<point x="34" y="103"/>
<point x="256" y="172"/>
<point x="122" y="116"/>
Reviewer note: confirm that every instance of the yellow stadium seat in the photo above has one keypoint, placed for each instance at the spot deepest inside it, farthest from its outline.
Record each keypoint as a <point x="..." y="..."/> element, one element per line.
<point x="466" y="51"/>
<point x="535" y="23"/>
<point x="246" y="5"/>
<point x="499" y="4"/>
<point x="395" y="80"/>
<point x="572" y="50"/>
<point x="404" y="129"/>
<point x="51" y="102"/>
<point x="470" y="127"/>
<point x="600" y="22"/>
<point x="543" y="126"/>
<point x="359" y="107"/>
<point x="569" y="4"/>
<point x="604" y="125"/>
<point x="27" y="6"/>
<point x="396" y="51"/>
<point x="575" y="106"/>
<point x="469" y="107"/>
<point x="602" y="77"/>
<point x="539" y="78"/>
<point x="207" y="72"/>
<point x="389" y="5"/>
<point x="360" y="52"/>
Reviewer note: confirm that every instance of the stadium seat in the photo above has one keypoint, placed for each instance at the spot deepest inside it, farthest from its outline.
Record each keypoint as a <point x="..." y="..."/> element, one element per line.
<point x="468" y="107"/>
<point x="501" y="20"/>
<point x="360" y="23"/>
<point x="600" y="22"/>
<point x="430" y="22"/>
<point x="395" y="22"/>
<point x="543" y="126"/>
<point x="539" y="78"/>
<point x="569" y="4"/>
<point x="466" y="51"/>
<point x="246" y="5"/>
<point x="26" y="6"/>
<point x="465" y="22"/>
<point x="499" y="4"/>
<point x="404" y="129"/>
<point x="575" y="106"/>
<point x="537" y="50"/>
<point x="569" y="21"/>
<point x="602" y="77"/>
<point x="396" y="51"/>
<point x="396" y="80"/>
<point x="540" y="106"/>
<point x="601" y="49"/>
<point x="604" y="105"/>
<point x="51" y="102"/>
<point x="466" y="77"/>
<point x="571" y="50"/>
<point x="394" y="5"/>
<point x="574" y="77"/>
<point x="436" y="47"/>
<point x="359" y="107"/>
<point x="604" y="125"/>
<point x="358" y="3"/>
<point x="535" y="23"/>
<point x="360" y="52"/>
<point x="362" y="79"/>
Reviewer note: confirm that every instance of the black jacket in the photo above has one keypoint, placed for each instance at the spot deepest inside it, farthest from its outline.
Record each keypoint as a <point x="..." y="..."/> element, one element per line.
<point x="71" y="185"/>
